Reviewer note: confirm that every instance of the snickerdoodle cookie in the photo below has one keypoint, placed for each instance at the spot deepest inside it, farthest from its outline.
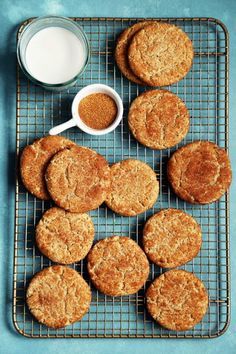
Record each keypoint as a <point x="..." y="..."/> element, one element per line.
<point x="160" y="54"/>
<point x="121" y="51"/>
<point x="177" y="300"/>
<point x="171" y="238"/>
<point x="78" y="179"/>
<point x="34" y="160"/>
<point x="158" y="119"/>
<point x="134" y="187"/>
<point x="118" y="266"/>
<point x="58" y="296"/>
<point x="64" y="237"/>
<point x="199" y="172"/>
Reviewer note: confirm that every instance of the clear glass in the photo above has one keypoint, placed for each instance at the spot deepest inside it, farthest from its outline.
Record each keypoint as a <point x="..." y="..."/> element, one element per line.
<point x="39" y="24"/>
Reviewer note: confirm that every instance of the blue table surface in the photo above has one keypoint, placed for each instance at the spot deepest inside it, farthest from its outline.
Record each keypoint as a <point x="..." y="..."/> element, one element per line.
<point x="12" y="12"/>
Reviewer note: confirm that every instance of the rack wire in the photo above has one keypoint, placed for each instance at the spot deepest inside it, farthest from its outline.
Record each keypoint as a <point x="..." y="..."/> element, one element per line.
<point x="205" y="92"/>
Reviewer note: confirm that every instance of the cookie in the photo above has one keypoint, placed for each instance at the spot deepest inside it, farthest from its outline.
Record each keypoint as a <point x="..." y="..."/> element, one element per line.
<point x="177" y="300"/>
<point x="64" y="237"/>
<point x="158" y="119"/>
<point x="117" y="266"/>
<point x="134" y="187"/>
<point x="34" y="160"/>
<point x="199" y="172"/>
<point x="58" y="296"/>
<point x="121" y="51"/>
<point x="171" y="238"/>
<point x="78" y="179"/>
<point x="160" y="54"/>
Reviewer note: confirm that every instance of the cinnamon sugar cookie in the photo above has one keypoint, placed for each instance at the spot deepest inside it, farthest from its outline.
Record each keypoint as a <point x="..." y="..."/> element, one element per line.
<point x="160" y="54"/>
<point x="171" y="238"/>
<point x="199" y="172"/>
<point x="118" y="266"/>
<point x="58" y="296"/>
<point x="134" y="187"/>
<point x="158" y="119"/>
<point x="177" y="300"/>
<point x="64" y="237"/>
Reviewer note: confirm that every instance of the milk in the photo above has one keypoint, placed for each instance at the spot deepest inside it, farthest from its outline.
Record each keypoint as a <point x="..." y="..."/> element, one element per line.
<point x="54" y="55"/>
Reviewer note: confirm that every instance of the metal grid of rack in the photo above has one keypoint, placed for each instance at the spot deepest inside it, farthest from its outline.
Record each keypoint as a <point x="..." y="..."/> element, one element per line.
<point x="205" y="92"/>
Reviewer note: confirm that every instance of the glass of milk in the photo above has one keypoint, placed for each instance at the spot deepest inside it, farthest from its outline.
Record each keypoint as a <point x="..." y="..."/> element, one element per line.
<point x="53" y="52"/>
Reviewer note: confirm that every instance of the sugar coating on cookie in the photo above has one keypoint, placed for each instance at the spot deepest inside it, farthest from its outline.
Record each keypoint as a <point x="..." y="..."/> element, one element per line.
<point x="177" y="300"/>
<point x="34" y="160"/>
<point x="64" y="237"/>
<point x="121" y="51"/>
<point x="134" y="187"/>
<point x="78" y="179"/>
<point x="171" y="238"/>
<point x="199" y="172"/>
<point x="158" y="119"/>
<point x="58" y="296"/>
<point x="117" y="266"/>
<point x="160" y="54"/>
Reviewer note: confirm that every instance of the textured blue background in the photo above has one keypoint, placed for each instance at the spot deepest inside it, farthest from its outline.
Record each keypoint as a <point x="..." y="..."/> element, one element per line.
<point x="12" y="13"/>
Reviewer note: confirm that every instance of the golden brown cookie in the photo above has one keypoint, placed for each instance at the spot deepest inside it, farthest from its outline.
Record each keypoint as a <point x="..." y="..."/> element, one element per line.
<point x="117" y="266"/>
<point x="158" y="119"/>
<point x="78" y="179"/>
<point x="160" y="54"/>
<point x="199" y="172"/>
<point x="64" y="237"/>
<point x="34" y="160"/>
<point x="134" y="187"/>
<point x="177" y="300"/>
<point x="121" y="51"/>
<point x="171" y="238"/>
<point x="58" y="296"/>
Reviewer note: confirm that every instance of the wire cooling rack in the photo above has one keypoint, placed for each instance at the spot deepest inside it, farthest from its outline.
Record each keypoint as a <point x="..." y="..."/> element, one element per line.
<point x="205" y="91"/>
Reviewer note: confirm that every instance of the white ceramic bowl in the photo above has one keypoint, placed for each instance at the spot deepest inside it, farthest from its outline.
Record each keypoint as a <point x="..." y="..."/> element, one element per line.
<point x="77" y="121"/>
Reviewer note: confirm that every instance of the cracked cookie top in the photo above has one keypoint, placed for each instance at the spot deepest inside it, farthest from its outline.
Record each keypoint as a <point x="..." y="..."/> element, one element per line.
<point x="158" y="119"/>
<point x="134" y="187"/>
<point x="177" y="300"/>
<point x="171" y="238"/>
<point x="199" y="172"/>
<point x="121" y="51"/>
<point x="160" y="54"/>
<point x="34" y="160"/>
<point x="118" y="266"/>
<point x="78" y="179"/>
<point x="58" y="296"/>
<point x="64" y="237"/>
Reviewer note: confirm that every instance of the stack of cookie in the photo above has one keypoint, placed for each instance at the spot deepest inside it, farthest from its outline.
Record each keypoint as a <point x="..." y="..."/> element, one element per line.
<point x="154" y="53"/>
<point x="75" y="177"/>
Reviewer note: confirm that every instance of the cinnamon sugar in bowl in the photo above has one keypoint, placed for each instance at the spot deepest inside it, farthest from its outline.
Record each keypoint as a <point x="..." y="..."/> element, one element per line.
<point x="97" y="109"/>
